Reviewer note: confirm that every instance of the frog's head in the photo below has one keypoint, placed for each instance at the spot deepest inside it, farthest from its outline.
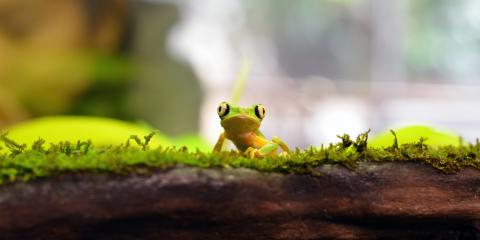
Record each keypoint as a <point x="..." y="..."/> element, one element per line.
<point x="237" y="119"/>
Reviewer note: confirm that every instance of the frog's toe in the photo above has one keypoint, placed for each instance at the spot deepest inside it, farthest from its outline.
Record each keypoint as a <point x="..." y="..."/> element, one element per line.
<point x="252" y="152"/>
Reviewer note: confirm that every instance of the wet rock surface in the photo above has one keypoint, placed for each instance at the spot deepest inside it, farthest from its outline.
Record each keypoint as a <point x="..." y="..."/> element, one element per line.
<point x="374" y="201"/>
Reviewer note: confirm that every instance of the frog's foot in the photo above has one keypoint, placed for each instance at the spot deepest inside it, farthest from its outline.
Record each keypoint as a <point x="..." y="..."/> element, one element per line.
<point x="252" y="152"/>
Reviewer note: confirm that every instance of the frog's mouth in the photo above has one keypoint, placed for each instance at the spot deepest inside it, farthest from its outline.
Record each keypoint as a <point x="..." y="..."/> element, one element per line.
<point x="241" y="123"/>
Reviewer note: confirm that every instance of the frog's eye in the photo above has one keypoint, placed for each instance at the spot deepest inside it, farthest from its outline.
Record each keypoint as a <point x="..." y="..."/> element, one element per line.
<point x="260" y="111"/>
<point x="223" y="109"/>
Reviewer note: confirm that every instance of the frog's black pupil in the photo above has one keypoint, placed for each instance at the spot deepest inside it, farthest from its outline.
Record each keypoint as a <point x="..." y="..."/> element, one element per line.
<point x="257" y="112"/>
<point x="225" y="112"/>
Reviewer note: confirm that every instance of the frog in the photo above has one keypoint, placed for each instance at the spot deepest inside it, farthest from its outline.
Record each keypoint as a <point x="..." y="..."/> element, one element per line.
<point x="241" y="126"/>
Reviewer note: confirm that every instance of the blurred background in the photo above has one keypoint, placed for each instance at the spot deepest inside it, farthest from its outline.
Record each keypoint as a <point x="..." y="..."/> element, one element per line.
<point x="321" y="68"/>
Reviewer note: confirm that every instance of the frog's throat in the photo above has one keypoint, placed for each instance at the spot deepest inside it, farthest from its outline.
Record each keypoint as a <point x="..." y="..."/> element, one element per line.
<point x="240" y="124"/>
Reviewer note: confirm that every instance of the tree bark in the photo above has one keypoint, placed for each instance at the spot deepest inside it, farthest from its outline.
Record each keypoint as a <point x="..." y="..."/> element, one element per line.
<point x="391" y="200"/>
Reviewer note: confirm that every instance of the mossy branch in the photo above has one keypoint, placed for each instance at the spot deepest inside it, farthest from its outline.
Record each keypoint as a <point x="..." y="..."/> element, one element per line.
<point x="83" y="156"/>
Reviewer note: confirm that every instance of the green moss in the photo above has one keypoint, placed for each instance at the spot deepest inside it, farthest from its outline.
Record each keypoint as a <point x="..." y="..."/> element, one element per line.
<point x="135" y="156"/>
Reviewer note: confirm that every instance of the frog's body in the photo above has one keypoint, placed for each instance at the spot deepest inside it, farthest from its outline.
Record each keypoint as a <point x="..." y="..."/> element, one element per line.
<point x="241" y="126"/>
<point x="246" y="140"/>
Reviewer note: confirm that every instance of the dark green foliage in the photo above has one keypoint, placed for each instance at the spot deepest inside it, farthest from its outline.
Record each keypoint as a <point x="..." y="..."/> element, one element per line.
<point x="143" y="144"/>
<point x="346" y="141"/>
<point x="361" y="143"/>
<point x="14" y="147"/>
<point x="22" y="163"/>
<point x="395" y="140"/>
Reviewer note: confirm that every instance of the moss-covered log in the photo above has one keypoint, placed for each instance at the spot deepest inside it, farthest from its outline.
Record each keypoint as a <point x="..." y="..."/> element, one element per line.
<point x="376" y="200"/>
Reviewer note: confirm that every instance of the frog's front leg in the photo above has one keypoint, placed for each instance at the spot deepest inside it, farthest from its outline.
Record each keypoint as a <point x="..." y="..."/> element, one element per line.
<point x="281" y="143"/>
<point x="219" y="145"/>
<point x="268" y="148"/>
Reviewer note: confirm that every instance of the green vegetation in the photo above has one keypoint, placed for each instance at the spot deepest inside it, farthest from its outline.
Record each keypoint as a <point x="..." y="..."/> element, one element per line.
<point x="22" y="163"/>
<point x="102" y="132"/>
<point x="412" y="134"/>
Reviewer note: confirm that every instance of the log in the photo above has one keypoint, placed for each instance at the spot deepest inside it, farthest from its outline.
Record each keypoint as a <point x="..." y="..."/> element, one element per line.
<point x="374" y="201"/>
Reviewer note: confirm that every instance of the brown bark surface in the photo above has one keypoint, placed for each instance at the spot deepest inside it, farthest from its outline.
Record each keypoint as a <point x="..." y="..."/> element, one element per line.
<point x="375" y="201"/>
